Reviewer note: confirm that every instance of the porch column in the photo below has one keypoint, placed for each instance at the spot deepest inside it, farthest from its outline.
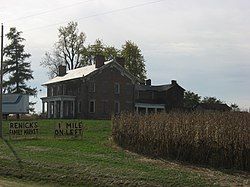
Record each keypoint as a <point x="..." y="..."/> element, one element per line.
<point x="48" y="109"/>
<point x="73" y="109"/>
<point x="146" y="110"/>
<point x="43" y="107"/>
<point x="54" y="109"/>
<point x="61" y="109"/>
<point x="67" y="108"/>
<point x="137" y="110"/>
<point x="155" y="110"/>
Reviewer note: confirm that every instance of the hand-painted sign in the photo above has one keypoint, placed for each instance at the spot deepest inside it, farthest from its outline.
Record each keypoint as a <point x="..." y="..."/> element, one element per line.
<point x="23" y="129"/>
<point x="15" y="104"/>
<point x="70" y="129"/>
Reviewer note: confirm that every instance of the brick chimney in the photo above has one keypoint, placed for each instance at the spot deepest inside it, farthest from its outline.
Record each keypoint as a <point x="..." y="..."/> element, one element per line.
<point x="61" y="70"/>
<point x="148" y="82"/>
<point x="121" y="61"/>
<point x="99" y="61"/>
<point x="173" y="82"/>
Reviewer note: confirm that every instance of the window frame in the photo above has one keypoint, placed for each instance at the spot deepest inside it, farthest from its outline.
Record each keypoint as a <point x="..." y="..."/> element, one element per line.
<point x="118" y="108"/>
<point x="92" y="87"/>
<point x="79" y="107"/>
<point x="92" y="101"/>
<point x="117" y="88"/>
<point x="52" y="91"/>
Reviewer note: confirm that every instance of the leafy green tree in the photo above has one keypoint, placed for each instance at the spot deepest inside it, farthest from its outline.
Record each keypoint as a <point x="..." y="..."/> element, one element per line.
<point x="99" y="48"/>
<point x="211" y="100"/>
<point x="93" y="50"/>
<point x="191" y="99"/>
<point x="111" y="52"/>
<point x="16" y="67"/>
<point x="68" y="50"/>
<point x="134" y="60"/>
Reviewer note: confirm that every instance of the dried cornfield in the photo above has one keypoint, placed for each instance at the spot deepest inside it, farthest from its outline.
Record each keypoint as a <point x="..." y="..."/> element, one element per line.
<point x="211" y="138"/>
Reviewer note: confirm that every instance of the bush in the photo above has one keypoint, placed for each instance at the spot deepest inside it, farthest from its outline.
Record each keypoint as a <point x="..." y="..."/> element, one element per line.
<point x="211" y="138"/>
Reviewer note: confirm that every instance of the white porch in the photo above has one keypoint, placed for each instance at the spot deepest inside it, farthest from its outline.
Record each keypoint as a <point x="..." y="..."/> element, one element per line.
<point x="147" y="108"/>
<point x="62" y="106"/>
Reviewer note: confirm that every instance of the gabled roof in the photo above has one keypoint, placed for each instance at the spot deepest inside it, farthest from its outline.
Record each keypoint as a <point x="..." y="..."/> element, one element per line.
<point x="86" y="71"/>
<point x="153" y="88"/>
<point x="213" y="106"/>
<point x="158" y="88"/>
<point x="74" y="74"/>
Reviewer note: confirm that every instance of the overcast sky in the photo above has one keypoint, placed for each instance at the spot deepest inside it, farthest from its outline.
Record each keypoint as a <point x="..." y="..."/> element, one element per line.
<point x="203" y="44"/>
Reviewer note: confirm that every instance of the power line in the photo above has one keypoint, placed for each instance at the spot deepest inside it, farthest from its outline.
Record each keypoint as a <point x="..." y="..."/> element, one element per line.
<point x="48" y="11"/>
<point x="99" y="14"/>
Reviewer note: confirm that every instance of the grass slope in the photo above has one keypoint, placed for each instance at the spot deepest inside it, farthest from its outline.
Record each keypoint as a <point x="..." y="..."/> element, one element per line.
<point x="93" y="161"/>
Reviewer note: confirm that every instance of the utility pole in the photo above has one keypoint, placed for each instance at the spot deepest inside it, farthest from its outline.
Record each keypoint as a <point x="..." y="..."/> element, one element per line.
<point x="1" y="86"/>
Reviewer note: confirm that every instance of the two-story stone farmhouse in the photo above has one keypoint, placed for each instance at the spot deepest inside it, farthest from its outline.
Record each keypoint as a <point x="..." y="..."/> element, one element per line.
<point x="103" y="89"/>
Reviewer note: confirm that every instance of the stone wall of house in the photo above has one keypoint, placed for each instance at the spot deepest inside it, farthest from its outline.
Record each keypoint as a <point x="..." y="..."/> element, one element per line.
<point x="172" y="98"/>
<point x="105" y="97"/>
<point x="100" y="89"/>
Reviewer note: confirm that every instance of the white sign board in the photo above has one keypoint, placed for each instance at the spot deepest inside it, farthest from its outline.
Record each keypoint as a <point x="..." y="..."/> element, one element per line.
<point x="15" y="104"/>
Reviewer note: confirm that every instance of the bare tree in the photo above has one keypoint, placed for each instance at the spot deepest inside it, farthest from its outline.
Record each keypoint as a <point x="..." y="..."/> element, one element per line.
<point x="68" y="49"/>
<point x="52" y="60"/>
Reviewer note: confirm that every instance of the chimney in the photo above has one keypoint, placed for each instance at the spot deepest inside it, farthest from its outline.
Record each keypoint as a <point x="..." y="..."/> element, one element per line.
<point x="61" y="70"/>
<point x="148" y="82"/>
<point x="99" y="61"/>
<point x="121" y="61"/>
<point x="173" y="82"/>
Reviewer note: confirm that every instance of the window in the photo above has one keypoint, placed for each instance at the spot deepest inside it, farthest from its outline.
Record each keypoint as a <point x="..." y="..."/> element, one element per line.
<point x="152" y="95"/>
<point x="138" y="94"/>
<point x="69" y="89"/>
<point x="117" y="107"/>
<point x="79" y="107"/>
<point x="79" y="89"/>
<point x="92" y="106"/>
<point x="52" y="91"/>
<point x="92" y="87"/>
<point x="117" y="88"/>
<point x="64" y="89"/>
<point x="58" y="90"/>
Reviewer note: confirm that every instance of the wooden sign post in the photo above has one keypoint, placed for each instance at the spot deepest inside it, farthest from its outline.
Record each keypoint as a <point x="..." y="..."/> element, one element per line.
<point x="69" y="130"/>
<point x="23" y="130"/>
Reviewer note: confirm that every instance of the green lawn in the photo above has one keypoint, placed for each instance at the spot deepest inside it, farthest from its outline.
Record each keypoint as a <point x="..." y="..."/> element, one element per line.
<point x="92" y="161"/>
